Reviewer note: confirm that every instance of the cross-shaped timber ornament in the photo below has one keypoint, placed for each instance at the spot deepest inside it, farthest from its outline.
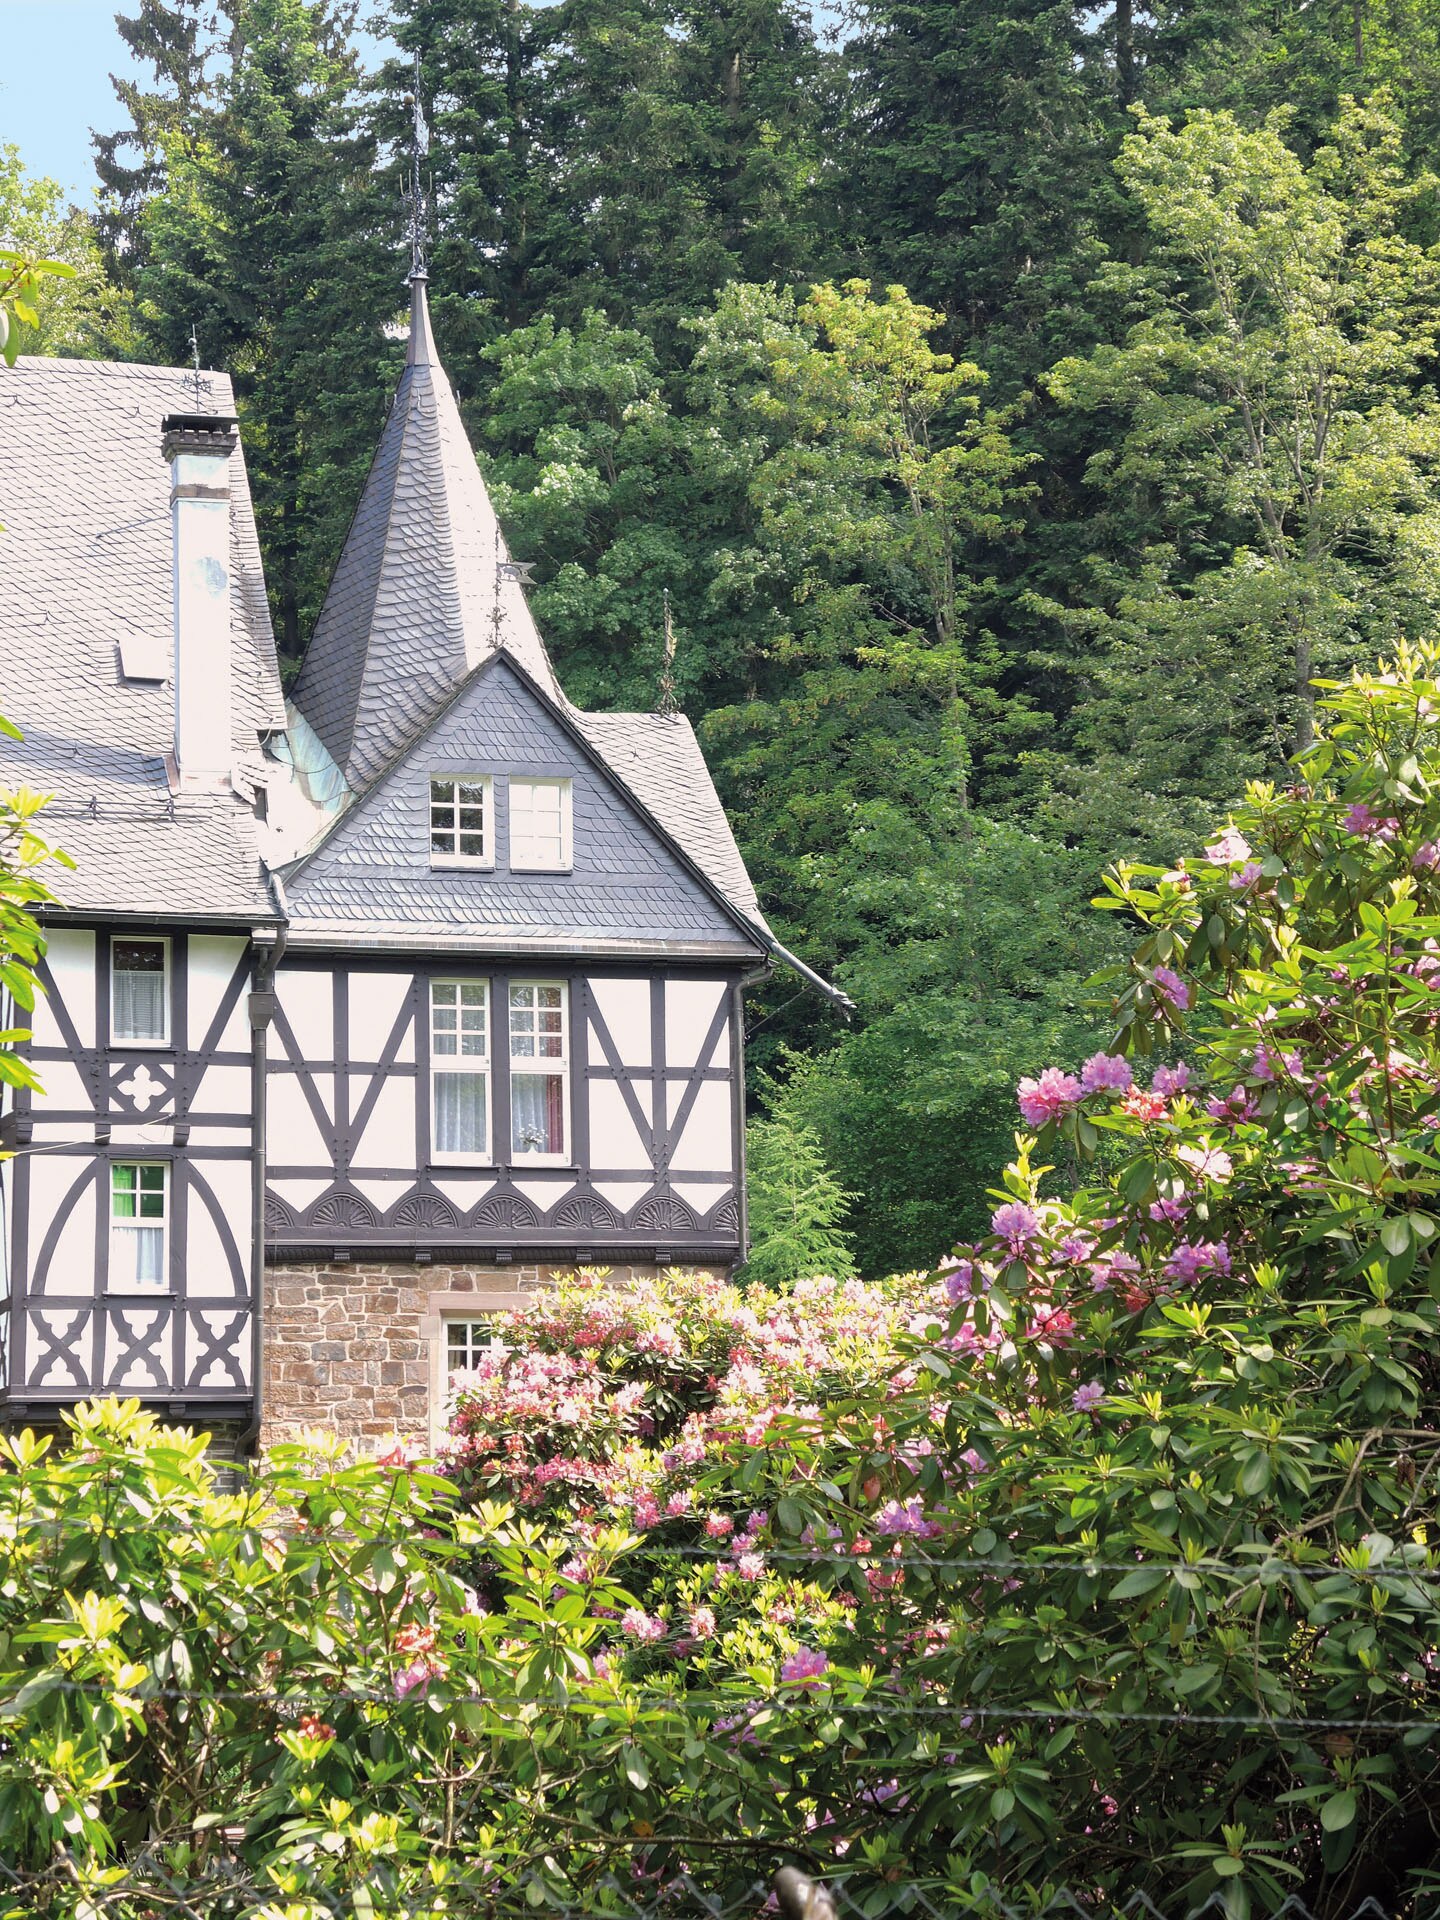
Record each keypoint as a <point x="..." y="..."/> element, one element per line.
<point x="141" y="1088"/>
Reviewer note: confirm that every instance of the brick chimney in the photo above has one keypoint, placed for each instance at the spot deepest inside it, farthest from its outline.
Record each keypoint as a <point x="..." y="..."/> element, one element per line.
<point x="198" y="447"/>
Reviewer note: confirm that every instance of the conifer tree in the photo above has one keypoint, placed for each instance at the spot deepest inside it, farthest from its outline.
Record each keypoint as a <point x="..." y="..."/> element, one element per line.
<point x="796" y="1206"/>
<point x="273" y="241"/>
<point x="130" y="163"/>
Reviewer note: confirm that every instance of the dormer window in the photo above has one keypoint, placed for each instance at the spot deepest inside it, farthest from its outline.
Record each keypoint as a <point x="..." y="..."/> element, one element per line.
<point x="460" y="820"/>
<point x="539" y="825"/>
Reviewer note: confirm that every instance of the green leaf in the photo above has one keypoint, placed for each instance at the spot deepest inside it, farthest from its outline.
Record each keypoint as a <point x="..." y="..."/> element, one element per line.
<point x="1338" y="1811"/>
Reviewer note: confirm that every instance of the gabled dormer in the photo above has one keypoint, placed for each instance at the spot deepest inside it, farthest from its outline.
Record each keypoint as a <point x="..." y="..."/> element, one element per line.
<point x="502" y="825"/>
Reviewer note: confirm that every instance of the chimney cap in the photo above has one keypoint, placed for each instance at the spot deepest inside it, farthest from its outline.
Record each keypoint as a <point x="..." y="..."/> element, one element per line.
<point x="198" y="433"/>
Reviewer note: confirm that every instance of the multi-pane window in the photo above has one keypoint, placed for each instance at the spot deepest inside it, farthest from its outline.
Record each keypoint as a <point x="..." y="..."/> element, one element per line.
<point x="539" y="1069"/>
<point x="139" y="991"/>
<point x="460" y="821"/>
<point x="467" y="1342"/>
<point x="540" y="825"/>
<point x="460" y="1068"/>
<point x="139" y="1217"/>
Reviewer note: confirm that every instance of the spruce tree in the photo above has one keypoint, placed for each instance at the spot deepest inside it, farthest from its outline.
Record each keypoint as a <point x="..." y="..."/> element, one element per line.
<point x="978" y="146"/>
<point x="273" y="241"/>
<point x="796" y="1206"/>
<point x="171" y="41"/>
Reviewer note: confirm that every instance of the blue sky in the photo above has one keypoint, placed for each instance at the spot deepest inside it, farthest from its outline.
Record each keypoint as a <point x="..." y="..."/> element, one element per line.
<point x="56" y="58"/>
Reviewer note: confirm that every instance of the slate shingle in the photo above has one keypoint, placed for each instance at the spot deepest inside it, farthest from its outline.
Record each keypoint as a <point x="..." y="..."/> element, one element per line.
<point x="85" y="560"/>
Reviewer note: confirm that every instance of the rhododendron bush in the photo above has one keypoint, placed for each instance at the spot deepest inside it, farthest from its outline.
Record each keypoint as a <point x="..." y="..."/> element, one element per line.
<point x="1120" y="1570"/>
<point x="1104" y="1558"/>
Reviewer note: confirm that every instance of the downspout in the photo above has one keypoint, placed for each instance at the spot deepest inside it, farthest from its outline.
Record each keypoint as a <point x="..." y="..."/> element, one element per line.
<point x="261" y="1005"/>
<point x="808" y="974"/>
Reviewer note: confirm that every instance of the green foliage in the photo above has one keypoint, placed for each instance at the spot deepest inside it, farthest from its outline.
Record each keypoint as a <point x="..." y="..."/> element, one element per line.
<point x="797" y="1206"/>
<point x="23" y="855"/>
<point x="76" y="312"/>
<point x="1277" y="456"/>
<point x="271" y="240"/>
<point x="969" y="956"/>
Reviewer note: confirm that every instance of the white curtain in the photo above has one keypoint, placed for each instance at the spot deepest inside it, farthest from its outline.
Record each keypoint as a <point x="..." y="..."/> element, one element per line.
<point x="139" y="1006"/>
<point x="460" y="1115"/>
<point x="137" y="1257"/>
<point x="537" y="1113"/>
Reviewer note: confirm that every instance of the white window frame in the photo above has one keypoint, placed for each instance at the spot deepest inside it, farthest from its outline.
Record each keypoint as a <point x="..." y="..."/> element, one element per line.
<point x="489" y="1342"/>
<point x="167" y="982"/>
<point x="553" y="1066"/>
<point x="472" y="862"/>
<point x="458" y="1062"/>
<point x="523" y="859"/>
<point x="149" y="1289"/>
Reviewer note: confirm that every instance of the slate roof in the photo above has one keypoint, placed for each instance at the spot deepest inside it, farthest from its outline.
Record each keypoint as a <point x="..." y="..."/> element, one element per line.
<point x="85" y="564"/>
<point x="370" y="879"/>
<point x="411" y="611"/>
<point x="658" y="758"/>
<point x="418" y="597"/>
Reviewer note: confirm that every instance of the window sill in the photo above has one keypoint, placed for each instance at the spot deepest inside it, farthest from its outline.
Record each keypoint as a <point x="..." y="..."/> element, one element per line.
<point x="146" y="1046"/>
<point x="456" y="863"/>
<point x="140" y="1293"/>
<point x="516" y="867"/>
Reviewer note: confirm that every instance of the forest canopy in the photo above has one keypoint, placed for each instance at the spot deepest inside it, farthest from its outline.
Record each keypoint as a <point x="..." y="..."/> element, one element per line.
<point x="1019" y="406"/>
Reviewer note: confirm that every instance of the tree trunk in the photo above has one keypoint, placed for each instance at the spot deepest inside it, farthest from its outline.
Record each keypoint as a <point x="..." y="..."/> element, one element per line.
<point x="1125" y="51"/>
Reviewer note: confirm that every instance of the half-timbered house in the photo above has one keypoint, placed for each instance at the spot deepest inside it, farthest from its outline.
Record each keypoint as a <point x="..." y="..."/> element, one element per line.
<point x="363" y="1015"/>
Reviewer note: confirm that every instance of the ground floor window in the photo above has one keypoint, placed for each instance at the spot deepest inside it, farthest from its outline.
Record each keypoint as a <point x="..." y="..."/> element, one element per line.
<point x="139" y="1217"/>
<point x="467" y="1342"/>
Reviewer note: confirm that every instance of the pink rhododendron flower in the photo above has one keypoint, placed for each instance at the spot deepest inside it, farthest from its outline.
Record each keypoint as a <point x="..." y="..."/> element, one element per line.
<point x="1426" y="857"/>
<point x="804" y="1668"/>
<point x="1015" y="1224"/>
<point x="1246" y="877"/>
<point x="1228" y="848"/>
<point x="1192" y="1258"/>
<point x="905" y="1517"/>
<point x="1171" y="988"/>
<point x="1144" y="1106"/>
<point x="1361" y="819"/>
<point x="1211" y="1163"/>
<point x="702" y="1622"/>
<point x="641" y="1626"/>
<point x="750" y="1566"/>
<point x="1047" y="1098"/>
<point x="959" y="1283"/>
<point x="1106" y="1071"/>
<point x="1171" y="1210"/>
<point x="1085" y="1399"/>
<point x="719" y="1526"/>
<point x="1168" y="1081"/>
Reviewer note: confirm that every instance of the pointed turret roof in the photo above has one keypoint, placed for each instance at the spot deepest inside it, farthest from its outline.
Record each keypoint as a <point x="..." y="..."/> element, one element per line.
<point x="421" y="594"/>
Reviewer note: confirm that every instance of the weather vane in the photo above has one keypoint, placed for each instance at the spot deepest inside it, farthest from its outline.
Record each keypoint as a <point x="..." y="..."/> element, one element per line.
<point x="420" y="146"/>
<point x="668" y="704"/>
<point x="195" y="356"/>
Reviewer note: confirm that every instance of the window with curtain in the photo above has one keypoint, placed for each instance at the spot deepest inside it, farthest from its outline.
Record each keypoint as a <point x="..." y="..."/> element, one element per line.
<point x="460" y="1069"/>
<point x="539" y="1069"/>
<point x="460" y="821"/>
<point x="140" y="991"/>
<point x="139" y="1218"/>
<point x="540" y="825"/>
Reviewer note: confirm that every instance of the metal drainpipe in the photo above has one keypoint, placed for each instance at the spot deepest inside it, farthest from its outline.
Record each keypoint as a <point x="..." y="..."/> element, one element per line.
<point x="262" y="1011"/>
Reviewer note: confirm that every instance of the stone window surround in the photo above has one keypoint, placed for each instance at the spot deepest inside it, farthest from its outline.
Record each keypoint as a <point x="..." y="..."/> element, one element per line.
<point x="477" y="1303"/>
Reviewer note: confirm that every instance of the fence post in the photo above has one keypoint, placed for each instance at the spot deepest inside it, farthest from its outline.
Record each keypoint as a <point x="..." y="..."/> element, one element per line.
<point x="801" y="1898"/>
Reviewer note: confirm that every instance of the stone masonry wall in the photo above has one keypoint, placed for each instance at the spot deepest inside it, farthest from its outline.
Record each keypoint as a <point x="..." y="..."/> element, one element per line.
<point x="358" y="1349"/>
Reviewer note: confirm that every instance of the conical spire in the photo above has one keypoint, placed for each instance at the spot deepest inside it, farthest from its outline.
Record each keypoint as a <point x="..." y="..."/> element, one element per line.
<point x="424" y="589"/>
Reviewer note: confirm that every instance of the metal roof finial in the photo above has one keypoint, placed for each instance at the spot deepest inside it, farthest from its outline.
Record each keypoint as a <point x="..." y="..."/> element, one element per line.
<point x="668" y="704"/>
<point x="419" y="146"/>
<point x="195" y="355"/>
